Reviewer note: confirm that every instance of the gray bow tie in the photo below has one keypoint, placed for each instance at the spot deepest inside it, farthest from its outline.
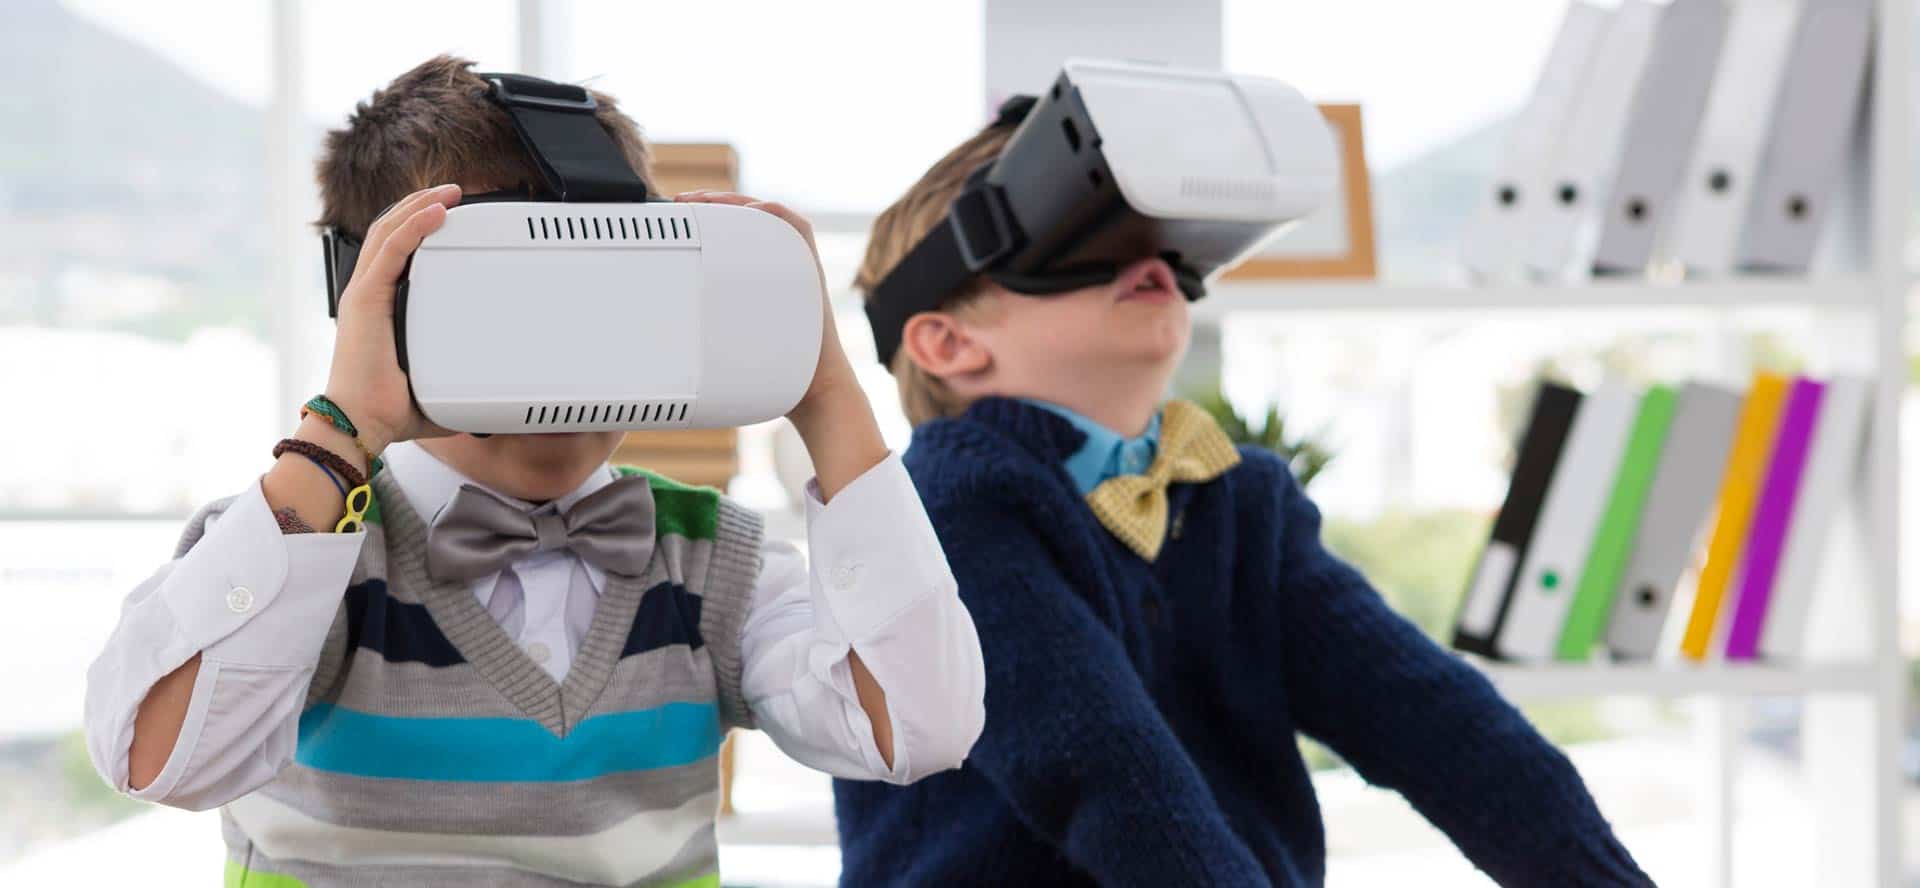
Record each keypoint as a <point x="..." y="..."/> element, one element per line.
<point x="478" y="533"/>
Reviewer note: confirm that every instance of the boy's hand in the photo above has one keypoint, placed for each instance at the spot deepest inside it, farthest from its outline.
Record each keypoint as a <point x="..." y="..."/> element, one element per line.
<point x="366" y="380"/>
<point x="834" y="387"/>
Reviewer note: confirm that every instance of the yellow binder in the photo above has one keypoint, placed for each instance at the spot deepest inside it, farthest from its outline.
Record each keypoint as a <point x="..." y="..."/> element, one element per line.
<point x="1739" y="487"/>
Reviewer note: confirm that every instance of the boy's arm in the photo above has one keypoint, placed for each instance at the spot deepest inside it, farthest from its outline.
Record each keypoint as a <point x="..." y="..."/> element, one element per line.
<point x="1073" y="743"/>
<point x="1414" y="718"/>
<point x="149" y="718"/>
<point x="879" y="594"/>
<point x="842" y="438"/>
<point x="211" y="660"/>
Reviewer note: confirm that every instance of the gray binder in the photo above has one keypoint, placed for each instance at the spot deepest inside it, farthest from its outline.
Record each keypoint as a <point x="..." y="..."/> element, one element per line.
<point x="1667" y="109"/>
<point x="1560" y="234"/>
<point x="1704" y="232"/>
<point x="1684" y="485"/>
<point x="1813" y="126"/>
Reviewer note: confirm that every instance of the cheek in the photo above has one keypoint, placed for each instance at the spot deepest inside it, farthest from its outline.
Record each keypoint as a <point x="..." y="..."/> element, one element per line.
<point x="1060" y="330"/>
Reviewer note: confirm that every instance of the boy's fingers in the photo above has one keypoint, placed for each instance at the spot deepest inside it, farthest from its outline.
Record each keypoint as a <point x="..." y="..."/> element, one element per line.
<point x="725" y="197"/>
<point x="399" y="246"/>
<point x="383" y="227"/>
<point x="775" y="207"/>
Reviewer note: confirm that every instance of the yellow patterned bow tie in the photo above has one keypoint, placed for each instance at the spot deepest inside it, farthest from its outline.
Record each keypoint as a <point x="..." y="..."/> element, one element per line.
<point x="1192" y="450"/>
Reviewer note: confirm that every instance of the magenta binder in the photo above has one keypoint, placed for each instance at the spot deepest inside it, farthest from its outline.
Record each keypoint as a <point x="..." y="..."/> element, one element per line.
<point x="1771" y="515"/>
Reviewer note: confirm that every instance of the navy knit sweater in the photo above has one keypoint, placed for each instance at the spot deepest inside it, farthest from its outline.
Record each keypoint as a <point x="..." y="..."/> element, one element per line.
<point x="1141" y="716"/>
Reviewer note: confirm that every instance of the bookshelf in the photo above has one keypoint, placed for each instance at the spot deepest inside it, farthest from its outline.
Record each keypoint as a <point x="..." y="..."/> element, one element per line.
<point x="1851" y="292"/>
<point x="1528" y="684"/>
<point x="1855" y="705"/>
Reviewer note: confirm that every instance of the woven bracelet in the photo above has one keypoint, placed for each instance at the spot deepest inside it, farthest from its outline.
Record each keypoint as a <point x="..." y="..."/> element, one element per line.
<point x="323" y="405"/>
<point x="324" y="457"/>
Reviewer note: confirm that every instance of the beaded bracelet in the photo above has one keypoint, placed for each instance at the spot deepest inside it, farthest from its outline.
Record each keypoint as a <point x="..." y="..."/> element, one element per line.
<point x="324" y="457"/>
<point x="291" y="522"/>
<point x="325" y="406"/>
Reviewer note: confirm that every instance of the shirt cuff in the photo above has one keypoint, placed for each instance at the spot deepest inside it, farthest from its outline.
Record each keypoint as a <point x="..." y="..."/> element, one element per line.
<point x="873" y="549"/>
<point x="238" y="569"/>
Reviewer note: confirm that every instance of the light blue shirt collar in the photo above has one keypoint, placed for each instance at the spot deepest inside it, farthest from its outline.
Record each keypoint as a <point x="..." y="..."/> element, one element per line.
<point x="1106" y="453"/>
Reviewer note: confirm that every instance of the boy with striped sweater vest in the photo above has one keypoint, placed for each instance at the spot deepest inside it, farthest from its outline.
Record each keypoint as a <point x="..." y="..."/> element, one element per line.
<point x="1159" y="619"/>
<point x="520" y="671"/>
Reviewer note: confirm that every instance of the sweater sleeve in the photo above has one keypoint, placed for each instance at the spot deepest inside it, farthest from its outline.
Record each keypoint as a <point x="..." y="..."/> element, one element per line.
<point x="1414" y="718"/>
<point x="1072" y="741"/>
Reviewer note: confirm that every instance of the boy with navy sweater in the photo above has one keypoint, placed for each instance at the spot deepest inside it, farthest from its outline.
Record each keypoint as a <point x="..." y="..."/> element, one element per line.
<point x="1159" y="619"/>
<point x="515" y="663"/>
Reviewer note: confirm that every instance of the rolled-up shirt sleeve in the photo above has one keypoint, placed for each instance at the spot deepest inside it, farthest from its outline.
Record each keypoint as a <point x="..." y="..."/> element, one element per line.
<point x="256" y="605"/>
<point x="878" y="585"/>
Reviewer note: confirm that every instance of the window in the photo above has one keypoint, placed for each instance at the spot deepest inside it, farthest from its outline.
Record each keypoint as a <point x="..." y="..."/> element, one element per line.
<point x="132" y="331"/>
<point x="832" y="108"/>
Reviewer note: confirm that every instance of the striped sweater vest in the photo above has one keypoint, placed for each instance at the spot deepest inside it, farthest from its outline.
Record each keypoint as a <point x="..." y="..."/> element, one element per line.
<point x="432" y="751"/>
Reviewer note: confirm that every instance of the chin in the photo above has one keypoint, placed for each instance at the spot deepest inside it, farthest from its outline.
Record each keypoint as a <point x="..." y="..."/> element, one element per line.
<point x="565" y="448"/>
<point x="1161" y="343"/>
<point x="547" y="466"/>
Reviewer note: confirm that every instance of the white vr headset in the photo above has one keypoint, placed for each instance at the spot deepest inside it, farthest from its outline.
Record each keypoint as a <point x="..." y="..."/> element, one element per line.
<point x="1115" y="163"/>
<point x="580" y="304"/>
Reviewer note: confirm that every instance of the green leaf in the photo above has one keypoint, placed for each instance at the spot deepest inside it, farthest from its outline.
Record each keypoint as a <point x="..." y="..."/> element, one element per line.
<point x="1307" y="456"/>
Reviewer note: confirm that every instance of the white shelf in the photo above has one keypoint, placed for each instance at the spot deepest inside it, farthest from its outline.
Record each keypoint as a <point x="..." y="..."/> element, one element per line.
<point x="1241" y="297"/>
<point x="1571" y="681"/>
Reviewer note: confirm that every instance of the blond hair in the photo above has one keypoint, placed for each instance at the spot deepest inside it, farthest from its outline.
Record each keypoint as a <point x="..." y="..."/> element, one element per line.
<point x="924" y="396"/>
<point x="434" y="125"/>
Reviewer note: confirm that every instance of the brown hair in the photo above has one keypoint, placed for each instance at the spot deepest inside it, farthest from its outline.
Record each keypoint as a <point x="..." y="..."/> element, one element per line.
<point x="431" y="126"/>
<point x="924" y="396"/>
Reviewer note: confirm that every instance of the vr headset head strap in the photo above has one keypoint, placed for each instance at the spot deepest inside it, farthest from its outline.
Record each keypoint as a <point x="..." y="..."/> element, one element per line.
<point x="578" y="162"/>
<point x="577" y="158"/>
<point x="979" y="230"/>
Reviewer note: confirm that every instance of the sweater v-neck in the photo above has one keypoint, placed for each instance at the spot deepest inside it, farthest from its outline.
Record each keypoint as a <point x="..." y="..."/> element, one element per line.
<point x="558" y="706"/>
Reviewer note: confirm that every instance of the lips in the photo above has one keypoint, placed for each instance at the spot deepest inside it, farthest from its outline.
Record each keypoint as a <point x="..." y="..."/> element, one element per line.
<point x="1148" y="280"/>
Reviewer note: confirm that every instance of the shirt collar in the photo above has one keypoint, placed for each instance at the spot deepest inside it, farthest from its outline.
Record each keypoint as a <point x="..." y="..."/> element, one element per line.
<point x="1105" y="453"/>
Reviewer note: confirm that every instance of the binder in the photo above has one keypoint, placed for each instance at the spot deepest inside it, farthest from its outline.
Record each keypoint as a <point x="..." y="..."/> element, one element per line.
<point x="1489" y="249"/>
<point x="1491" y="588"/>
<point x="1660" y="133"/>
<point x="1813" y="124"/>
<point x="1739" y="488"/>
<point x="1607" y="556"/>
<point x="1771" y="513"/>
<point x="1832" y="461"/>
<point x="1720" y="175"/>
<point x="1676" y="510"/>
<point x="1568" y="518"/>
<point x="1589" y="147"/>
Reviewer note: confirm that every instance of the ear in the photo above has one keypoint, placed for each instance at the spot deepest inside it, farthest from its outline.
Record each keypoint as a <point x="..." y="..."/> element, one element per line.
<point x="943" y="346"/>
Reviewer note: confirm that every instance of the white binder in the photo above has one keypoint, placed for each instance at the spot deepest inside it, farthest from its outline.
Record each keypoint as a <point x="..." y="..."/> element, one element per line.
<point x="1560" y="236"/>
<point x="1720" y="176"/>
<point x="1490" y="249"/>
<point x="1833" y="456"/>
<point x="1813" y="125"/>
<point x="1660" y="132"/>
<point x="1568" y="518"/>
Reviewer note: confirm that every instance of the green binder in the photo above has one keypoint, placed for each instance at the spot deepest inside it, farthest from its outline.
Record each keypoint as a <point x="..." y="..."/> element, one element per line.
<point x="1613" y="540"/>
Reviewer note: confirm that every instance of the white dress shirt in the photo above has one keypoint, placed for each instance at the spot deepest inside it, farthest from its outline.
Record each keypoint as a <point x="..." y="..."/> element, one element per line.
<point x="257" y="603"/>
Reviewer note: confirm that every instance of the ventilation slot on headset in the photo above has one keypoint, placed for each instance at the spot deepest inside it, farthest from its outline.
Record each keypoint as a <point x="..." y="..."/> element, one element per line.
<point x="620" y="412"/>
<point x="1215" y="188"/>
<point x="615" y="228"/>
